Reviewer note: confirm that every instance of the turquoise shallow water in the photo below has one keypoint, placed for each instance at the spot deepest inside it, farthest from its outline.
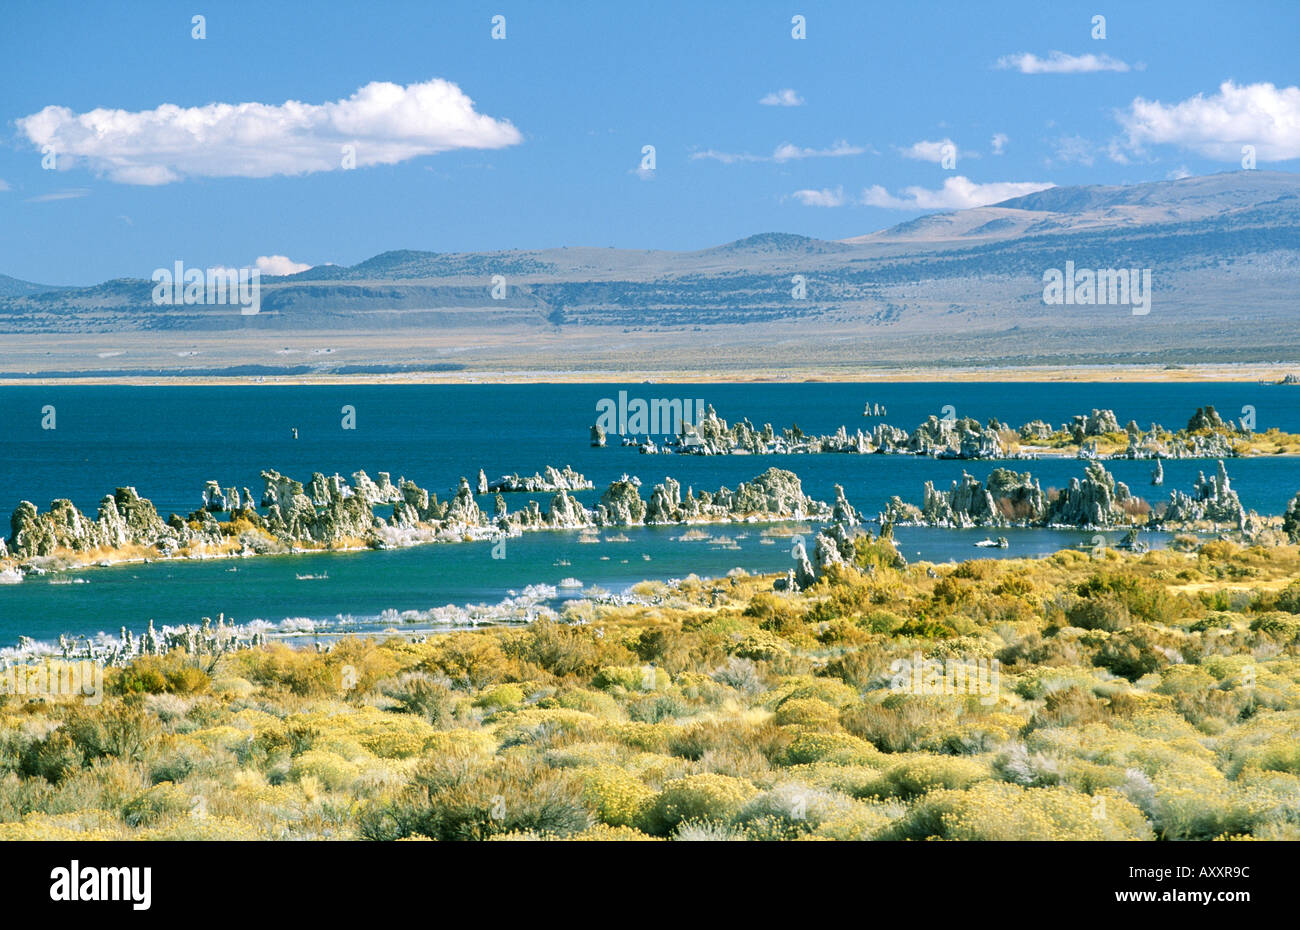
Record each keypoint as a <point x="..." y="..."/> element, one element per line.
<point x="167" y="441"/>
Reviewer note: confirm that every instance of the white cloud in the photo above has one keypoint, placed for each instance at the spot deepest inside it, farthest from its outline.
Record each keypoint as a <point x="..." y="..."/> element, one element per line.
<point x="1115" y="152"/>
<point x="821" y="198"/>
<point x="3" y="185"/>
<point x="933" y="151"/>
<point x="68" y="193"/>
<point x="787" y="152"/>
<point x="784" y="152"/>
<point x="279" y="265"/>
<point x="999" y="142"/>
<point x="1179" y="173"/>
<point x="727" y="158"/>
<point x="1073" y="150"/>
<point x="1061" y="63"/>
<point x="387" y="124"/>
<point x="957" y="193"/>
<point x="1262" y="115"/>
<point x="782" y="98"/>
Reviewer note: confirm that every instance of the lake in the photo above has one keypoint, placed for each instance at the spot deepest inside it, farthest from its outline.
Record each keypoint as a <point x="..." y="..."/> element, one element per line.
<point x="167" y="441"/>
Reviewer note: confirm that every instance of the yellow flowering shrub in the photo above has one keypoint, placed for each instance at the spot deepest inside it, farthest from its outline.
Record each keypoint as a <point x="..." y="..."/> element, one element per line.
<point x="637" y="734"/>
<point x="460" y="743"/>
<point x="831" y="690"/>
<point x="811" y="712"/>
<point x="840" y="748"/>
<point x="78" y="825"/>
<point x="604" y="833"/>
<point x="766" y="718"/>
<point x="537" y="725"/>
<point x="1001" y="811"/>
<point x="632" y="678"/>
<point x="615" y="796"/>
<point x="922" y="774"/>
<point x="500" y="697"/>
<point x="596" y="703"/>
<point x="331" y="770"/>
<point x="696" y="797"/>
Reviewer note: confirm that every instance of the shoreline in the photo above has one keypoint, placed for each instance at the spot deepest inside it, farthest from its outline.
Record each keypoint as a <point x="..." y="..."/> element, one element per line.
<point x="512" y="607"/>
<point x="1266" y="374"/>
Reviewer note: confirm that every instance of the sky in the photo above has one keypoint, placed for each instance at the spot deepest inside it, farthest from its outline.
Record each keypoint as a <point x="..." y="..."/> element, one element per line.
<point x="292" y="135"/>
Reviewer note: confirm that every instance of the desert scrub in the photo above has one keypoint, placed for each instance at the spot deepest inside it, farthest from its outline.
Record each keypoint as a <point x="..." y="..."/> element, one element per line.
<point x="326" y="768"/>
<point x="160" y="802"/>
<point x="900" y="722"/>
<point x="830" y="690"/>
<point x="543" y="727"/>
<point x="808" y="712"/>
<point x="734" y="735"/>
<point x="1001" y="811"/>
<point x="174" y="673"/>
<point x="1169" y="695"/>
<point x="790" y="810"/>
<point x="838" y="748"/>
<point x="916" y="777"/>
<point x="631" y="678"/>
<point x="554" y="648"/>
<point x="596" y="703"/>
<point x="500" y="697"/>
<point x="460" y="801"/>
<point x="778" y="614"/>
<point x="759" y="645"/>
<point x="390" y="736"/>
<point x="614" y="796"/>
<point x="708" y="797"/>
<point x="425" y="696"/>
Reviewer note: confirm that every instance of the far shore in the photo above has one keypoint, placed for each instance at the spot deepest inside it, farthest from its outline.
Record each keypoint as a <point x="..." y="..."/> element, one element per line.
<point x="1264" y="374"/>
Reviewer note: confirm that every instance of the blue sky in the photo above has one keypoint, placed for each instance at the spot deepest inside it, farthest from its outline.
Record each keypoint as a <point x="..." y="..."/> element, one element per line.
<point x="561" y="108"/>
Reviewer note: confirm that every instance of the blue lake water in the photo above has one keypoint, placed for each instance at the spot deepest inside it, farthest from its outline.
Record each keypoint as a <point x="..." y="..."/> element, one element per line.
<point x="166" y="441"/>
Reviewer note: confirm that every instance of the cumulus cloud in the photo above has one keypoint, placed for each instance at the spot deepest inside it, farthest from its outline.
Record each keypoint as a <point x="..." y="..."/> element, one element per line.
<point x="999" y="142"/>
<point x="821" y="198"/>
<point x="278" y="265"/>
<point x="1061" y="63"/>
<point x="385" y="123"/>
<point x="784" y="152"/>
<point x="782" y="98"/>
<point x="1217" y="126"/>
<point x="957" y="193"/>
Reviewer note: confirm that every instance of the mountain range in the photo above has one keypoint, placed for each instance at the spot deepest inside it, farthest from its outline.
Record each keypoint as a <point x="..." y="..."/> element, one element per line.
<point x="955" y="288"/>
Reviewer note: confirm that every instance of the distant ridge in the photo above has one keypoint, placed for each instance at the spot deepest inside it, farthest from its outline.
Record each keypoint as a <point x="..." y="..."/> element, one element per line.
<point x="961" y="287"/>
<point x="1093" y="207"/>
<point x="12" y="287"/>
